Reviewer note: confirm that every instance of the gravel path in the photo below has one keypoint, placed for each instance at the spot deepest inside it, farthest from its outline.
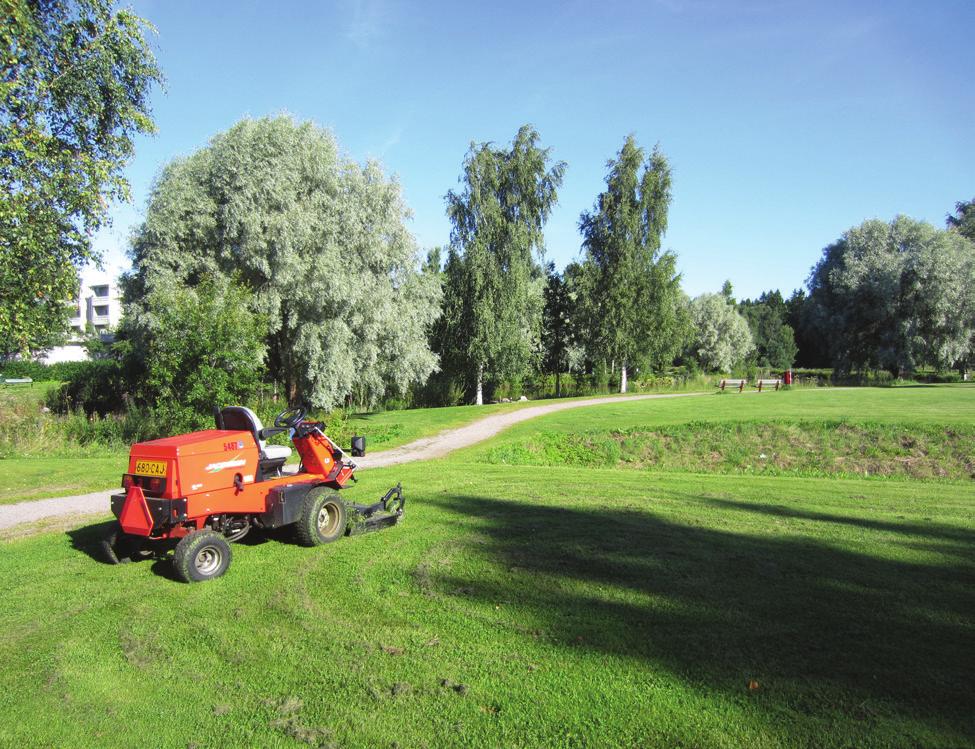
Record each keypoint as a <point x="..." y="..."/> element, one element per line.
<point x="97" y="503"/>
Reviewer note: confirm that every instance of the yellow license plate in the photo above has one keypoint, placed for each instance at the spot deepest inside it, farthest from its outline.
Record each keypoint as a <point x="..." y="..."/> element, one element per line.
<point x="150" y="467"/>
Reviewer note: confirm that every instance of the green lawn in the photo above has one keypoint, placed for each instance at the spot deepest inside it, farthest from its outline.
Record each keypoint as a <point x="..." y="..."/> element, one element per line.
<point x="23" y="479"/>
<point x="919" y="404"/>
<point x="522" y="607"/>
<point x="387" y="429"/>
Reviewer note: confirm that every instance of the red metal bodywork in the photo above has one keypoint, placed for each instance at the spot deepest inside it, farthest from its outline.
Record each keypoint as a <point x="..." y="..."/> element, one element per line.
<point x="217" y="472"/>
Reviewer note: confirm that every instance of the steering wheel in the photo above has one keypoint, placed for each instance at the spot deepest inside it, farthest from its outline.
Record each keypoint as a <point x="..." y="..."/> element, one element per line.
<point x="290" y="418"/>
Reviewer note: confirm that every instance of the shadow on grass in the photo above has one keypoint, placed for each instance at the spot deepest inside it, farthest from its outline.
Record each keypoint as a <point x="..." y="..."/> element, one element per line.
<point x="960" y="539"/>
<point x="829" y="633"/>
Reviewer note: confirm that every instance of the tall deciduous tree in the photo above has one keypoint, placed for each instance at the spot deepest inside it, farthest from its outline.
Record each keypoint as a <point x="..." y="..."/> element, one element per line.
<point x="320" y="240"/>
<point x="74" y="90"/>
<point x="632" y="288"/>
<point x="895" y="296"/>
<point x="494" y="280"/>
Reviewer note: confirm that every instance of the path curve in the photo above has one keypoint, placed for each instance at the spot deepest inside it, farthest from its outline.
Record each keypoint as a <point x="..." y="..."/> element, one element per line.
<point x="426" y="448"/>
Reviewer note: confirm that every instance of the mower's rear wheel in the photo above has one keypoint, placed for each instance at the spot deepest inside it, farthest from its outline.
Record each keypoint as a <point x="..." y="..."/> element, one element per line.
<point x="200" y="556"/>
<point x="322" y="518"/>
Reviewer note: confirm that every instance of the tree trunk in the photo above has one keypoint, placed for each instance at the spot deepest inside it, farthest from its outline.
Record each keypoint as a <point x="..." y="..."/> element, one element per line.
<point x="480" y="385"/>
<point x="623" y="379"/>
<point x="558" y="383"/>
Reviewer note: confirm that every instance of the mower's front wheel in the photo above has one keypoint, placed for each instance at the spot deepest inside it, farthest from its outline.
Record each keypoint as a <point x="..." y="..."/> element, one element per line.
<point x="200" y="556"/>
<point x="322" y="518"/>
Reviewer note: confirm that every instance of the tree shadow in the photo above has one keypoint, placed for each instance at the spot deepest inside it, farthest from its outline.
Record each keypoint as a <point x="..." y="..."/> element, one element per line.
<point x="961" y="537"/>
<point x="829" y="631"/>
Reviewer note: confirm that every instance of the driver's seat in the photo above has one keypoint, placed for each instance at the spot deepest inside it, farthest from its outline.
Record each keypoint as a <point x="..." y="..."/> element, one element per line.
<point x="272" y="457"/>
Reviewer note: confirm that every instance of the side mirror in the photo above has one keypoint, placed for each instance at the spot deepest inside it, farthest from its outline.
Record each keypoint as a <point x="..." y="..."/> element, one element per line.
<point x="358" y="446"/>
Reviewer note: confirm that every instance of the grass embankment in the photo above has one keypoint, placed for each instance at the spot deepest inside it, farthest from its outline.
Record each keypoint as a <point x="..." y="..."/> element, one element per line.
<point x="922" y="432"/>
<point x="558" y="607"/>
<point x="804" y="448"/>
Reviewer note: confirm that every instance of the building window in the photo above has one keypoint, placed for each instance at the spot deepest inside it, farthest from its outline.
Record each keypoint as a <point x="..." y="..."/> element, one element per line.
<point x="100" y="290"/>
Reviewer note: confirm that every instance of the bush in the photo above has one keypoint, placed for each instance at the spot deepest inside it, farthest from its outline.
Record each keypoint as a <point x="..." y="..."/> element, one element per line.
<point x="39" y="372"/>
<point x="95" y="387"/>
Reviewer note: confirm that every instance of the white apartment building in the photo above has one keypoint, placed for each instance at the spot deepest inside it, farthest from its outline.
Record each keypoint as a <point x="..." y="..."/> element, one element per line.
<point x="98" y="305"/>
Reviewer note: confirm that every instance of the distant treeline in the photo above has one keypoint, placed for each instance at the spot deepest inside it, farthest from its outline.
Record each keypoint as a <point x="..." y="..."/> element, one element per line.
<point x="269" y="260"/>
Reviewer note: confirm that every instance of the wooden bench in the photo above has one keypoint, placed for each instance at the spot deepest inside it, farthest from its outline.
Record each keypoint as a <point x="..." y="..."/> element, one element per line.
<point x="18" y="381"/>
<point x="767" y="384"/>
<point x="740" y="384"/>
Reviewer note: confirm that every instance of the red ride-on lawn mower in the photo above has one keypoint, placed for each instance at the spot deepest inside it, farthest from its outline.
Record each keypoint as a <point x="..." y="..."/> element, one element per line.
<point x="196" y="493"/>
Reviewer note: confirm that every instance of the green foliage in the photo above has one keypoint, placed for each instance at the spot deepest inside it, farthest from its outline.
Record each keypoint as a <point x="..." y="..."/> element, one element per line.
<point x="558" y="331"/>
<point x="320" y="240"/>
<point x="631" y="303"/>
<point x="193" y="348"/>
<point x="73" y="95"/>
<point x="775" y="344"/>
<point x="964" y="219"/>
<point x="494" y="286"/>
<point x="895" y="296"/>
<point x="94" y="387"/>
<point x="721" y="337"/>
<point x="40" y="372"/>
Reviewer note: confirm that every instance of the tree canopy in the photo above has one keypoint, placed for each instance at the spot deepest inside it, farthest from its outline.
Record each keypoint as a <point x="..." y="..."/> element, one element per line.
<point x="200" y="347"/>
<point x="774" y="338"/>
<point x="494" y="283"/>
<point x="964" y="219"/>
<point x="631" y="288"/>
<point x="74" y="90"/>
<point x="721" y="337"/>
<point x="895" y="296"/>
<point x="320" y="240"/>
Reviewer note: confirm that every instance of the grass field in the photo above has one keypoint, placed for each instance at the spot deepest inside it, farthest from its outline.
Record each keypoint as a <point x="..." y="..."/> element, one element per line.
<point x="522" y="607"/>
<point x="525" y="606"/>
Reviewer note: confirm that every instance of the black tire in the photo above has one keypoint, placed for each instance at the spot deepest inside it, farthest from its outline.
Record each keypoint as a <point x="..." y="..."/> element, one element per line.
<point x="200" y="556"/>
<point x="322" y="518"/>
<point x="119" y="548"/>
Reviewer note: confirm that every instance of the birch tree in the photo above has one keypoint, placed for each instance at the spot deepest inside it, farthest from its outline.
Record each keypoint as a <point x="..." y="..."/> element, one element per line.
<point x="495" y="283"/>
<point x="633" y="289"/>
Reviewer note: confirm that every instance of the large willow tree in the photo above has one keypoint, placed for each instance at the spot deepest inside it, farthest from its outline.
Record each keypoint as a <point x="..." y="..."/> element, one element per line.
<point x="494" y="282"/>
<point x="321" y="242"/>
<point x="895" y="296"/>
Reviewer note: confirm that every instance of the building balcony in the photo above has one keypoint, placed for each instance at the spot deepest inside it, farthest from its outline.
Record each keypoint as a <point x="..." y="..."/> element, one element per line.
<point x="100" y="320"/>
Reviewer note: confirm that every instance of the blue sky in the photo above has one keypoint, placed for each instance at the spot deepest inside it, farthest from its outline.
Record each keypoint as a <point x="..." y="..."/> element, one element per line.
<point x="785" y="122"/>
